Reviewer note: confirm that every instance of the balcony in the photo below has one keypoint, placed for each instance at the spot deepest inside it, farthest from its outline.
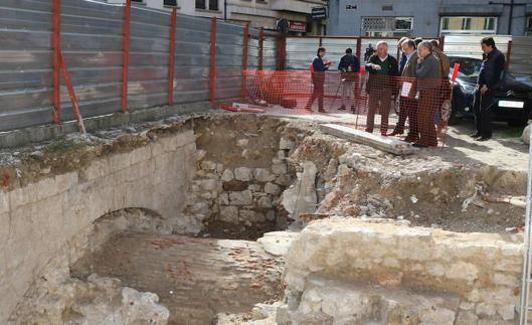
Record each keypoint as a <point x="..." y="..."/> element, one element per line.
<point x="300" y="6"/>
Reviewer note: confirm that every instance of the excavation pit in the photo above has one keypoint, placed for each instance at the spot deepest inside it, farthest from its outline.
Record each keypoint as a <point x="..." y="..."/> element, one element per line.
<point x="207" y="188"/>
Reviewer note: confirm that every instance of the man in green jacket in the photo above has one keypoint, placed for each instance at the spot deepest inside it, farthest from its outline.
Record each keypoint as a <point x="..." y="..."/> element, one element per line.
<point x="382" y="69"/>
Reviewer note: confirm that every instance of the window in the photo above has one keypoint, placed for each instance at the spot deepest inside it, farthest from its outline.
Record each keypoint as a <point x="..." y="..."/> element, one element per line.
<point x="468" y="25"/>
<point x="170" y="3"/>
<point x="529" y="26"/>
<point x="387" y="26"/>
<point x="212" y="4"/>
<point x="200" y="4"/>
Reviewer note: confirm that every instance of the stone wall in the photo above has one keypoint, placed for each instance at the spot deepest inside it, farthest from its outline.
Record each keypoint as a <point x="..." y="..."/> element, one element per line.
<point x="239" y="195"/>
<point x="39" y="219"/>
<point x="482" y="270"/>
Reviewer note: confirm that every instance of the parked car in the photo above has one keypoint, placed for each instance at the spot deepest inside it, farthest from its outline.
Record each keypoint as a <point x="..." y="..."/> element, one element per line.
<point x="513" y="97"/>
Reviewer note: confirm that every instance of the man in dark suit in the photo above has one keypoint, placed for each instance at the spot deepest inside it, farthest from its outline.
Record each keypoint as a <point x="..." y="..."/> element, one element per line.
<point x="408" y="103"/>
<point x="489" y="79"/>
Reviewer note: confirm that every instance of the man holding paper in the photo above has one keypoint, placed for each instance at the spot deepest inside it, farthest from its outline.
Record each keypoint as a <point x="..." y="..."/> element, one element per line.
<point x="407" y="102"/>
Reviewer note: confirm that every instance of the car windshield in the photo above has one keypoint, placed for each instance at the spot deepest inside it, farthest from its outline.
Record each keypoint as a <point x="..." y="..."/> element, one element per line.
<point x="469" y="67"/>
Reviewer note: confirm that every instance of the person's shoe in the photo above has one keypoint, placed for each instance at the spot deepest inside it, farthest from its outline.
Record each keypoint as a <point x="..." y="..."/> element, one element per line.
<point x="308" y="108"/>
<point x="342" y="108"/>
<point x="482" y="139"/>
<point x="394" y="133"/>
<point x="411" y="139"/>
<point x="369" y="131"/>
<point x="419" y="145"/>
<point x="353" y="110"/>
<point x="475" y="135"/>
<point x="321" y="110"/>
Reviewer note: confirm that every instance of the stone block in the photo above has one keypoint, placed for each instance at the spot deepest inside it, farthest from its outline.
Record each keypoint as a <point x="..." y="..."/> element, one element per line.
<point x="64" y="182"/>
<point x="241" y="198"/>
<point x="228" y="175"/>
<point x="184" y="139"/>
<point x="229" y="214"/>
<point x="286" y="144"/>
<point x="283" y="180"/>
<point x="462" y="271"/>
<point x="243" y="174"/>
<point x="272" y="189"/>
<point x="140" y="154"/>
<point x="97" y="168"/>
<point x="507" y="312"/>
<point x="265" y="202"/>
<point x="263" y="175"/>
<point x="279" y="169"/>
<point x="118" y="161"/>
<point x="250" y="215"/>
<point x="466" y="318"/>
<point x="235" y="186"/>
<point x="223" y="199"/>
<point x="208" y="165"/>
<point x="255" y="188"/>
<point x="208" y="184"/>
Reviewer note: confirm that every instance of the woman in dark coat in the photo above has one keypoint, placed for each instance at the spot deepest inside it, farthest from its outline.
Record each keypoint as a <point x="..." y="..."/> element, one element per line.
<point x="429" y="80"/>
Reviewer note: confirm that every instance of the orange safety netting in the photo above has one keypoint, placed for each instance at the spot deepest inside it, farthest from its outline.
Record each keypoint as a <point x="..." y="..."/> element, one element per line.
<point x="417" y="109"/>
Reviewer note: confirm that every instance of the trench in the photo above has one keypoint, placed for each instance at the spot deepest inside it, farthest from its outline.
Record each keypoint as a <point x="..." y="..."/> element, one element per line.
<point x="256" y="175"/>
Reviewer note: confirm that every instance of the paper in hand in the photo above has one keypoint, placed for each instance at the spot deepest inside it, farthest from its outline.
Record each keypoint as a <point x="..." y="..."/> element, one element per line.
<point x="405" y="90"/>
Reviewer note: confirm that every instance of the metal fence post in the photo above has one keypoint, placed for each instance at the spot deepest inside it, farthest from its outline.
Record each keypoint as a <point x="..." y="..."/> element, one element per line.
<point x="125" y="53"/>
<point x="245" y="60"/>
<point x="281" y="52"/>
<point x="509" y="54"/>
<point x="359" y="48"/>
<point x="261" y="49"/>
<point x="212" y="72"/>
<point x="171" y="58"/>
<point x="56" y="45"/>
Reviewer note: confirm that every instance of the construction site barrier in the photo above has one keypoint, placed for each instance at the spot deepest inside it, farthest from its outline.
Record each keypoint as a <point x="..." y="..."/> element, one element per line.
<point x="120" y="58"/>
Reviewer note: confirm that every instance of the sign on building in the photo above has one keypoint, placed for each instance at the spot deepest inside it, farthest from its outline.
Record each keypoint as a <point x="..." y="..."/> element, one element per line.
<point x="297" y="26"/>
<point x="319" y="13"/>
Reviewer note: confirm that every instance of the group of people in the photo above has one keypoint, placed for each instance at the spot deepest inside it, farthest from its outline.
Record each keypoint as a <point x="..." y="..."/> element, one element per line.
<point x="420" y="81"/>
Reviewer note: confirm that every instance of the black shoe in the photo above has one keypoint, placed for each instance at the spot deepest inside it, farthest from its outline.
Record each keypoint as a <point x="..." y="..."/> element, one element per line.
<point x="419" y="145"/>
<point x="342" y="108"/>
<point x="308" y="108"/>
<point x="475" y="135"/>
<point x="321" y="110"/>
<point x="353" y="109"/>
<point x="483" y="139"/>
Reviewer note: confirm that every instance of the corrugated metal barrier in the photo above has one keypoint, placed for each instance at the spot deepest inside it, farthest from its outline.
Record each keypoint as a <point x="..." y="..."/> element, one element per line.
<point x="92" y="45"/>
<point x="521" y="58"/>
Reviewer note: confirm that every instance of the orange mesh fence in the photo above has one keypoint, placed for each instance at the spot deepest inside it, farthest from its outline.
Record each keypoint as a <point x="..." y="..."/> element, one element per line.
<point x="415" y="110"/>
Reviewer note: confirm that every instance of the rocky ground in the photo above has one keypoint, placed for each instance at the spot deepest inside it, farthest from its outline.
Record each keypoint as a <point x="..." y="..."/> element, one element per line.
<point x="267" y="173"/>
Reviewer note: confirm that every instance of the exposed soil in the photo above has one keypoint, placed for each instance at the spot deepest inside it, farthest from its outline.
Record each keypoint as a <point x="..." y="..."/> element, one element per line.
<point x="194" y="278"/>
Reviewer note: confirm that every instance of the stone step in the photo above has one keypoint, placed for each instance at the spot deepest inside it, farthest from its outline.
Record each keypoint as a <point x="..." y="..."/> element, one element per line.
<point x="388" y="144"/>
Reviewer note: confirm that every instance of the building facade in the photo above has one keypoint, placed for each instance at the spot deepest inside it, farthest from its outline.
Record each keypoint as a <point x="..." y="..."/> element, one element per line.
<point x="259" y="13"/>
<point x="429" y="18"/>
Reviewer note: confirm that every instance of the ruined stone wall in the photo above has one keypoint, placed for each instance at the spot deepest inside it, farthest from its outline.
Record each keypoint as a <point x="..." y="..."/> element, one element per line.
<point x="482" y="270"/>
<point x="39" y="220"/>
<point x="242" y="169"/>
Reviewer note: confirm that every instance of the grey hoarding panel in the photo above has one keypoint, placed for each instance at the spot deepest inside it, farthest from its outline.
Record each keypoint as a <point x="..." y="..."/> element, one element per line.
<point x="92" y="41"/>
